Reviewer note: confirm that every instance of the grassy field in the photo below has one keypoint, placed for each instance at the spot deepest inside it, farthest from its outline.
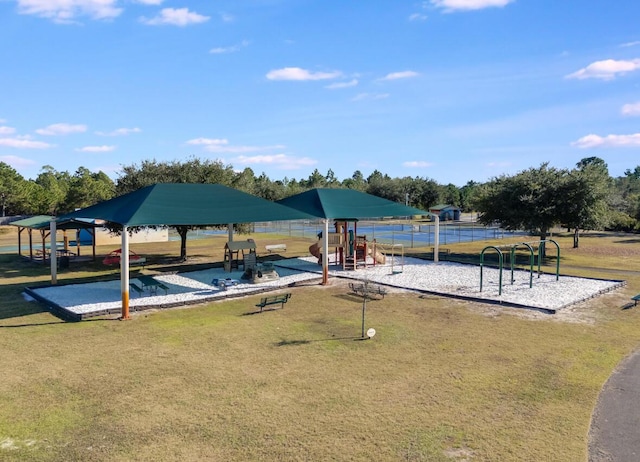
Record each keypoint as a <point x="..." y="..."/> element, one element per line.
<point x="442" y="380"/>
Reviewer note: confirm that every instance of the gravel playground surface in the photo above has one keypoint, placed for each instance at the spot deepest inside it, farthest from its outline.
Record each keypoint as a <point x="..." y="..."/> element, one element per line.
<point x="444" y="278"/>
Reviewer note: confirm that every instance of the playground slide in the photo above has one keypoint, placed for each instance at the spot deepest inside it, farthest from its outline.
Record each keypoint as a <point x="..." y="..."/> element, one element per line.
<point x="314" y="250"/>
<point x="379" y="257"/>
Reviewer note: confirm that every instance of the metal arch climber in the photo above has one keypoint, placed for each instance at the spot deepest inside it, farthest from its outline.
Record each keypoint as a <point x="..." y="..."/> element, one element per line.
<point x="512" y="250"/>
<point x="500" y="264"/>
<point x="543" y="245"/>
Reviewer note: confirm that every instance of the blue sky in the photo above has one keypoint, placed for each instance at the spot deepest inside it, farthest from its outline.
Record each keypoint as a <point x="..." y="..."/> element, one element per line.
<point x="453" y="90"/>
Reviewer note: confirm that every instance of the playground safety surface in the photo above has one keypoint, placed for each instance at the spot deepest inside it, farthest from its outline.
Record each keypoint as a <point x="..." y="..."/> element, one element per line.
<point x="539" y="292"/>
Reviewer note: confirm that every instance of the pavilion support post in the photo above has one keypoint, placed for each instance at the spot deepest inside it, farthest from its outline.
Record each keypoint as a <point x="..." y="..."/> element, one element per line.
<point x="325" y="253"/>
<point x="124" y="272"/>
<point x="436" y="240"/>
<point x="230" y="232"/>
<point x="54" y="253"/>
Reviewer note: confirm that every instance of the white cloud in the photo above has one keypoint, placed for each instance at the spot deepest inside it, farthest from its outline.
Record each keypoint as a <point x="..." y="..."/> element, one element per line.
<point x="417" y="164"/>
<point x="16" y="161"/>
<point x="282" y="161"/>
<point x="338" y="85"/>
<point x="120" y="132"/>
<point x="632" y="109"/>
<point x="24" y="143"/>
<point x="296" y="73"/>
<point x="96" y="149"/>
<point x="61" y="129"/>
<point x="7" y="130"/>
<point x="399" y="75"/>
<point x="226" y="17"/>
<point x="468" y="5"/>
<point x="630" y="44"/>
<point x="3" y="121"/>
<point x="607" y="69"/>
<point x="175" y="17"/>
<point x="209" y="141"/>
<point x="609" y="141"/>
<point x="418" y="17"/>
<point x="65" y="11"/>
<point x="150" y="2"/>
<point x="231" y="49"/>
<point x="222" y="145"/>
<point x="369" y="96"/>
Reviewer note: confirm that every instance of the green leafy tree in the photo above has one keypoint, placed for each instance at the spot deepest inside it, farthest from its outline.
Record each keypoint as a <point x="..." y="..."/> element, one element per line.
<point x="530" y="200"/>
<point x="13" y="191"/>
<point x="450" y="195"/>
<point x="87" y="188"/>
<point x="584" y="197"/>
<point x="357" y="182"/>
<point x="149" y="172"/>
<point x="468" y="195"/>
<point x="315" y="180"/>
<point x="51" y="195"/>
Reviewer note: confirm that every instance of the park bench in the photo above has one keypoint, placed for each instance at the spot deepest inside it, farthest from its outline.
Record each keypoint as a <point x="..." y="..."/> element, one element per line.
<point x="636" y="299"/>
<point x="274" y="300"/>
<point x="367" y="289"/>
<point x="276" y="248"/>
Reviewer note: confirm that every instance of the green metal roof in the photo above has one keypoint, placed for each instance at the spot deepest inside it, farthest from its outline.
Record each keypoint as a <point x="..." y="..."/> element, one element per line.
<point x="444" y="207"/>
<point x="36" y="222"/>
<point x="175" y="204"/>
<point x="44" y="221"/>
<point x="347" y="204"/>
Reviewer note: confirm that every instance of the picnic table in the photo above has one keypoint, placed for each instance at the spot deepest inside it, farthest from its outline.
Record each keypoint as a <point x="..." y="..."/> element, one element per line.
<point x="151" y="284"/>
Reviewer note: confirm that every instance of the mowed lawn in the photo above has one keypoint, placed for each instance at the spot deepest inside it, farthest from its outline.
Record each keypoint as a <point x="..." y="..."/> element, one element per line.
<point x="441" y="380"/>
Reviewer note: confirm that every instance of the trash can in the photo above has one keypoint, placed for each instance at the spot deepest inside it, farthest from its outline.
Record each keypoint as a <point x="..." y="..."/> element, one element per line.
<point x="64" y="262"/>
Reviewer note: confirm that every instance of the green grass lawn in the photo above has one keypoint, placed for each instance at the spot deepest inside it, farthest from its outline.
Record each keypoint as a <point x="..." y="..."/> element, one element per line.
<point x="442" y="379"/>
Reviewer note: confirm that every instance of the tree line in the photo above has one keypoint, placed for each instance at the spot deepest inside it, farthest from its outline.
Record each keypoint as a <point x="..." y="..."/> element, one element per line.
<point x="536" y="199"/>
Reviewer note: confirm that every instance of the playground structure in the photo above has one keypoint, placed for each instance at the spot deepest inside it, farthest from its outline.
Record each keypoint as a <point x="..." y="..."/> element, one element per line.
<point x="350" y="249"/>
<point x="232" y="250"/>
<point x="541" y="246"/>
<point x="243" y="253"/>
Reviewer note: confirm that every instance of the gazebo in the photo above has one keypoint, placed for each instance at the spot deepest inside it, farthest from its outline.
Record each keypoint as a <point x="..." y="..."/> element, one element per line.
<point x="176" y="204"/>
<point x="42" y="224"/>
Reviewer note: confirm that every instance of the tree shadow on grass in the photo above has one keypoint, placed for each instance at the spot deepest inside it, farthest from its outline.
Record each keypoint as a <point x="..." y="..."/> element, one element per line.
<point x="628" y="241"/>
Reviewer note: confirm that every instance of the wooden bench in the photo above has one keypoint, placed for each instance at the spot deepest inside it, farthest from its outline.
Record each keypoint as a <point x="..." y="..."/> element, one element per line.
<point x="276" y="248"/>
<point x="636" y="299"/>
<point x="274" y="300"/>
<point x="367" y="289"/>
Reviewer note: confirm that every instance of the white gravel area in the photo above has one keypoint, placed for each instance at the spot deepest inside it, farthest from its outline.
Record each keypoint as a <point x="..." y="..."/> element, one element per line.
<point x="441" y="278"/>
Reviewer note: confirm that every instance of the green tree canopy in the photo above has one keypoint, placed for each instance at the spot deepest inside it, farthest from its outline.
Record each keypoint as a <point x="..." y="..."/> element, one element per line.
<point x="13" y="191"/>
<point x="530" y="200"/>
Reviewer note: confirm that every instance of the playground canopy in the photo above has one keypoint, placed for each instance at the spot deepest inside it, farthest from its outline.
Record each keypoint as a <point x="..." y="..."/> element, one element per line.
<point x="177" y="204"/>
<point x="185" y="204"/>
<point x="348" y="205"/>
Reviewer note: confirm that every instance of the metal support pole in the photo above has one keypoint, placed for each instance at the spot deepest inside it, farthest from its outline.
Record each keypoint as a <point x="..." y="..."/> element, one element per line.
<point x="54" y="252"/>
<point x="436" y="240"/>
<point x="124" y="272"/>
<point x="325" y="253"/>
